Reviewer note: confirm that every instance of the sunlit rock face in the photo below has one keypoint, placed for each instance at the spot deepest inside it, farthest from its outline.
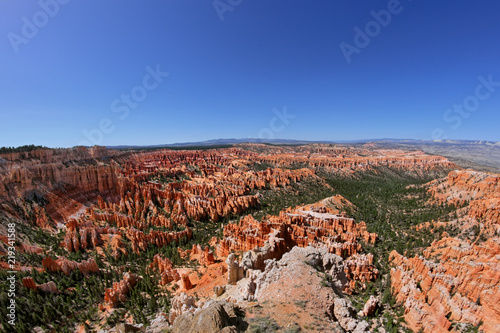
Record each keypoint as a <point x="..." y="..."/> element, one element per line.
<point x="314" y="225"/>
<point x="458" y="278"/>
<point x="110" y="205"/>
<point x="118" y="293"/>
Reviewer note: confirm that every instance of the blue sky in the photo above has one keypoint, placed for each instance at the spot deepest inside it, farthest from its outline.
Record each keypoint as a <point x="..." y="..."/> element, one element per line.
<point x="268" y="69"/>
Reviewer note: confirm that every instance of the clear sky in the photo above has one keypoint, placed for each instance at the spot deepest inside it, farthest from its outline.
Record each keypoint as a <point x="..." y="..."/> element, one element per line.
<point x="79" y="72"/>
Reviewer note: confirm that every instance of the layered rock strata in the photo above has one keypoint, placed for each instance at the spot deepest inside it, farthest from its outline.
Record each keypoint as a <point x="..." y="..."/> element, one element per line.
<point x="457" y="280"/>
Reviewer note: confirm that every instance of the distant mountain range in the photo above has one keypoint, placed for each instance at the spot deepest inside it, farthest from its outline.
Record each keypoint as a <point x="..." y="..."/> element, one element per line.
<point x="218" y="142"/>
<point x="233" y="141"/>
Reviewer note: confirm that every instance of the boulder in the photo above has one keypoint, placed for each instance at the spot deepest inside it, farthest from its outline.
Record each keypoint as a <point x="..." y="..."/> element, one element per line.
<point x="371" y="305"/>
<point x="215" y="317"/>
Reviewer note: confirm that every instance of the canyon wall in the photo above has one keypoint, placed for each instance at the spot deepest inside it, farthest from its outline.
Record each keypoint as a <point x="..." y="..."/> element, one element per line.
<point x="116" y="204"/>
<point x="457" y="280"/>
<point x="313" y="225"/>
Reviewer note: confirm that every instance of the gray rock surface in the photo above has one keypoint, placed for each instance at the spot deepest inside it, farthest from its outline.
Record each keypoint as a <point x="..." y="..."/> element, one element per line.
<point x="214" y="317"/>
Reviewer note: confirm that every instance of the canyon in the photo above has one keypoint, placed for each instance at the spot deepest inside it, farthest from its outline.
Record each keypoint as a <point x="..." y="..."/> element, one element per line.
<point x="234" y="236"/>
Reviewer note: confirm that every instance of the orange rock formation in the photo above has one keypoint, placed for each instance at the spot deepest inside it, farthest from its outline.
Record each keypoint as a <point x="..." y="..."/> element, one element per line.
<point x="49" y="287"/>
<point x="456" y="280"/>
<point x="166" y="269"/>
<point x="312" y="225"/>
<point x="204" y="256"/>
<point x="64" y="265"/>
<point x="119" y="291"/>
